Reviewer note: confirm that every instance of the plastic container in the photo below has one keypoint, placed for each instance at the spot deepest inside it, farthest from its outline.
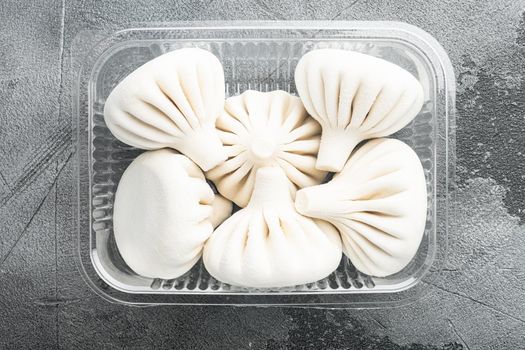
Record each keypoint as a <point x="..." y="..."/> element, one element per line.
<point x="262" y="56"/>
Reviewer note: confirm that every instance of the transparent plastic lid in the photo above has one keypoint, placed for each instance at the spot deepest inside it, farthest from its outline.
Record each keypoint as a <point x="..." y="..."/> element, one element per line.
<point x="260" y="56"/>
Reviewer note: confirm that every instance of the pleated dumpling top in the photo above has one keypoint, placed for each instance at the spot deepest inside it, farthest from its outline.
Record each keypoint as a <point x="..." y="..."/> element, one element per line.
<point x="268" y="244"/>
<point x="354" y="97"/>
<point x="378" y="203"/>
<point x="171" y="101"/>
<point x="261" y="129"/>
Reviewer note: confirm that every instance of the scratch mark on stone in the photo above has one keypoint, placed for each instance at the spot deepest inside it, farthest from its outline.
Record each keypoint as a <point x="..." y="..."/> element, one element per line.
<point x="59" y="142"/>
<point x="337" y="15"/>
<point x="264" y="6"/>
<point x="280" y="66"/>
<point x="379" y="323"/>
<point x="55" y="301"/>
<point x="343" y="10"/>
<point x="457" y="333"/>
<point x="53" y="146"/>
<point x="24" y="230"/>
<point x="477" y="302"/>
<point x="26" y="226"/>
<point x="507" y="269"/>
<point x="2" y="177"/>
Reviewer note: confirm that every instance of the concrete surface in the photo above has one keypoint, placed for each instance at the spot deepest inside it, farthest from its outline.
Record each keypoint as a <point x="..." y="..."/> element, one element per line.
<point x="478" y="304"/>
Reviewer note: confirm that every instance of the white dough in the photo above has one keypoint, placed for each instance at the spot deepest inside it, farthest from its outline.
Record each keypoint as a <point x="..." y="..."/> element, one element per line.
<point x="261" y="129"/>
<point x="354" y="97"/>
<point x="162" y="214"/>
<point x="221" y="210"/>
<point x="268" y="244"/>
<point x="171" y="101"/>
<point x="378" y="203"/>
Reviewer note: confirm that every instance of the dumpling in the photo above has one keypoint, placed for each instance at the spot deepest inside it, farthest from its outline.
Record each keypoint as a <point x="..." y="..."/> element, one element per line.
<point x="261" y="129"/>
<point x="171" y="101"/>
<point x="378" y="203"/>
<point x="354" y="97"/>
<point x="221" y="210"/>
<point x="162" y="214"/>
<point x="268" y="244"/>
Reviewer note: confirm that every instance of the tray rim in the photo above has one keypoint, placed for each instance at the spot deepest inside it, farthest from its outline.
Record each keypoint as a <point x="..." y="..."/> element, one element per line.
<point x="410" y="31"/>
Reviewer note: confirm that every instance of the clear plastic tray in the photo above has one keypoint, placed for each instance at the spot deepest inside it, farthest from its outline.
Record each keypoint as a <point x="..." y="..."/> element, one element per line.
<point x="261" y="56"/>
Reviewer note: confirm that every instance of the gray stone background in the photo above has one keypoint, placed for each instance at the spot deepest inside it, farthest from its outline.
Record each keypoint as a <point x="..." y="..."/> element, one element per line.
<point x="479" y="303"/>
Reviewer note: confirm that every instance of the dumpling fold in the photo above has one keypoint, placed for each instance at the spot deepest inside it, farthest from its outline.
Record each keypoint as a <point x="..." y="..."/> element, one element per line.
<point x="354" y="97"/>
<point x="261" y="129"/>
<point x="378" y="203"/>
<point x="268" y="244"/>
<point x="171" y="101"/>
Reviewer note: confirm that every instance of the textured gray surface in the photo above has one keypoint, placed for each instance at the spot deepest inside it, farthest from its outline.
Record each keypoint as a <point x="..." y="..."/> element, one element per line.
<point x="478" y="304"/>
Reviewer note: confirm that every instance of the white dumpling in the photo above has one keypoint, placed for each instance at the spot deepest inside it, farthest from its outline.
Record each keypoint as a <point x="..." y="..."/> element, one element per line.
<point x="261" y="129"/>
<point x="171" y="101"/>
<point x="221" y="210"/>
<point x="162" y="214"/>
<point x="354" y="97"/>
<point x="268" y="244"/>
<point x="378" y="203"/>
